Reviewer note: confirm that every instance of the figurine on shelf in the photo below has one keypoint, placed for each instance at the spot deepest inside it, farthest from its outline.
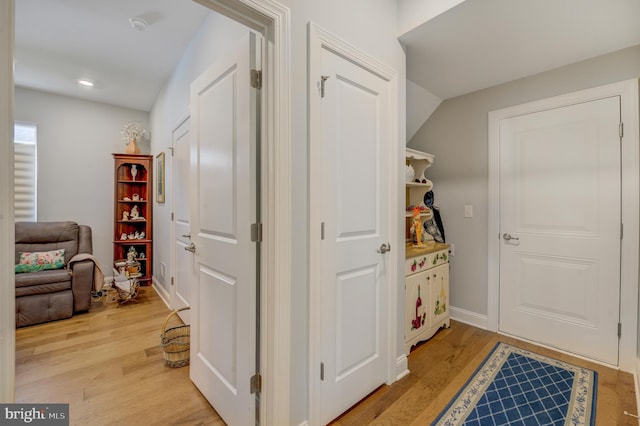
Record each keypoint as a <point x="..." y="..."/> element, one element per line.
<point x="416" y="228"/>
<point x="134" y="171"/>
<point x="142" y="255"/>
<point x="123" y="236"/>
<point x="135" y="213"/>
<point x="142" y="235"/>
<point x="126" y="199"/>
<point x="125" y="215"/>
<point x="132" y="236"/>
<point x="132" y="254"/>
<point x="135" y="197"/>
<point x="137" y="235"/>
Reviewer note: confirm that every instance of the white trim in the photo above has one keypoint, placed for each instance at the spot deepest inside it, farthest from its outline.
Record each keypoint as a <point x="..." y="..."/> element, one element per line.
<point x="162" y="293"/>
<point x="468" y="317"/>
<point x="628" y="91"/>
<point x="319" y="39"/>
<point x="7" y="224"/>
<point x="402" y="367"/>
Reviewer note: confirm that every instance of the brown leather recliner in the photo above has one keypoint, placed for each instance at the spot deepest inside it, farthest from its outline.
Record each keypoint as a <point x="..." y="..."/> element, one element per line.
<point x="54" y="294"/>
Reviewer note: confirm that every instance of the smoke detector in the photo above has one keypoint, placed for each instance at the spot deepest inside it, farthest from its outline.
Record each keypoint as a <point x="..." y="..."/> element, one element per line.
<point x="138" y="24"/>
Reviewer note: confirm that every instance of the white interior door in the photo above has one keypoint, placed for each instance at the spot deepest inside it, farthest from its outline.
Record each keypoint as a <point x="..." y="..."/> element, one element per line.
<point x="355" y="205"/>
<point x="184" y="262"/>
<point x="223" y="299"/>
<point x="560" y="227"/>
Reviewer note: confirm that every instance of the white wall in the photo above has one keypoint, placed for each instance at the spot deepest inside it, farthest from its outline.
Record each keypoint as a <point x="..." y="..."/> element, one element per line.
<point x="75" y="167"/>
<point x="457" y="132"/>
<point x="370" y="25"/>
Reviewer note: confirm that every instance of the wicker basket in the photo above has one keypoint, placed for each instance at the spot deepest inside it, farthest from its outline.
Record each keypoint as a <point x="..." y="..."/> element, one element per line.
<point x="175" y="342"/>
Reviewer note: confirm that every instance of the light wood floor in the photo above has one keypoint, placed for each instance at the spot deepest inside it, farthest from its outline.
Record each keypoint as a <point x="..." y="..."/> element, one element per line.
<point x="108" y="366"/>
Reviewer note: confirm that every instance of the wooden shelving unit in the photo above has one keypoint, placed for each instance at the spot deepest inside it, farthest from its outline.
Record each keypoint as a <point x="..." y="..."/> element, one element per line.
<point x="133" y="190"/>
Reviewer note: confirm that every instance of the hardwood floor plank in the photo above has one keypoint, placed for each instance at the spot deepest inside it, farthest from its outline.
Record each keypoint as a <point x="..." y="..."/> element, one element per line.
<point x="108" y="365"/>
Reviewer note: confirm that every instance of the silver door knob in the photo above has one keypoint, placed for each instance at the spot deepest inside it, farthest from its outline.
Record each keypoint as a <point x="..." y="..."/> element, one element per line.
<point x="385" y="247"/>
<point x="186" y="235"/>
<point x="508" y="237"/>
<point x="191" y="247"/>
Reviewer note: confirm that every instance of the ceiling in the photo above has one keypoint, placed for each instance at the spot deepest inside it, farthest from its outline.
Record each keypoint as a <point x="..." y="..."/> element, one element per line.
<point x="482" y="43"/>
<point x="477" y="44"/>
<point x="59" y="41"/>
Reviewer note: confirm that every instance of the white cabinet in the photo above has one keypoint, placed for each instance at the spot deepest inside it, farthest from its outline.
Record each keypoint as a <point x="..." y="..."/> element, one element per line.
<point x="426" y="294"/>
<point x="427" y="266"/>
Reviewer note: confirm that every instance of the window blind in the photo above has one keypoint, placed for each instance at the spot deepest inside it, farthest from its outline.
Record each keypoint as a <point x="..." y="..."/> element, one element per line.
<point x="25" y="172"/>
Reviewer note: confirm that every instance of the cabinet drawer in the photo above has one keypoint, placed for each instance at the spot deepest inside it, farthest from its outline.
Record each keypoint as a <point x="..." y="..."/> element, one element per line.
<point x="417" y="264"/>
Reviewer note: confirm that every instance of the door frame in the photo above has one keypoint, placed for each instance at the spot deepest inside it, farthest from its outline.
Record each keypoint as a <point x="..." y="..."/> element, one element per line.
<point x="319" y="39"/>
<point x="628" y="92"/>
<point x="273" y="21"/>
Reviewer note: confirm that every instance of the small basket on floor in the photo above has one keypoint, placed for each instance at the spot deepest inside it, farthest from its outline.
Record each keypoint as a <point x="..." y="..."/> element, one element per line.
<point x="175" y="342"/>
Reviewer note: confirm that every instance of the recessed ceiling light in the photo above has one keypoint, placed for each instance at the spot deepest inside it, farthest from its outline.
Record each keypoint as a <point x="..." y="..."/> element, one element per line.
<point x="138" y="23"/>
<point x="85" y="83"/>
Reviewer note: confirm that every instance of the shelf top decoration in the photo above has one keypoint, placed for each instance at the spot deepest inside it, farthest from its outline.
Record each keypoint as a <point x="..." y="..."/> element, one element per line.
<point x="131" y="133"/>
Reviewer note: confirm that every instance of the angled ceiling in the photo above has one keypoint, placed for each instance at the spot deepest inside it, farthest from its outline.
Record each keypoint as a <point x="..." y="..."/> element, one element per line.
<point x="59" y="41"/>
<point x="482" y="43"/>
<point x="474" y="45"/>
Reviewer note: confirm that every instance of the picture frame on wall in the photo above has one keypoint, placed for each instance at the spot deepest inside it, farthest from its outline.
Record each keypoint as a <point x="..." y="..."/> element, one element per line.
<point x="160" y="188"/>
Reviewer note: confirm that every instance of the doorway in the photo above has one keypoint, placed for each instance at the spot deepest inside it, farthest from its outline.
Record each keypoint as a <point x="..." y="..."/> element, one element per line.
<point x="502" y="246"/>
<point x="353" y="237"/>
<point x="273" y="21"/>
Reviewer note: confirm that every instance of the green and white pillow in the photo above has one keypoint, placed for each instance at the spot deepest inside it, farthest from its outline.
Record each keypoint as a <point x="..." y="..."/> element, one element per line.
<point x="40" y="261"/>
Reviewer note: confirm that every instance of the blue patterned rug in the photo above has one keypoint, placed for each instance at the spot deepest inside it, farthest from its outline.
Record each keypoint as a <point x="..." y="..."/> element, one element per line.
<point x="517" y="387"/>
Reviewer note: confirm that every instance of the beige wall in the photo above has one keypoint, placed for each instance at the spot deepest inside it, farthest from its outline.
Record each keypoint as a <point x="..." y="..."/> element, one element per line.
<point x="457" y="135"/>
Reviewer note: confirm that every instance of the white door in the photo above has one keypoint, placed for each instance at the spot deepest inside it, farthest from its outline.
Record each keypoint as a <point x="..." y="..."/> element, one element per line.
<point x="560" y="227"/>
<point x="223" y="299"/>
<point x="355" y="125"/>
<point x="184" y="262"/>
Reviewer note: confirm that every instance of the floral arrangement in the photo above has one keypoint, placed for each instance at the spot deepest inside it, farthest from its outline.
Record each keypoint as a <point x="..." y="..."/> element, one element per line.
<point x="132" y="130"/>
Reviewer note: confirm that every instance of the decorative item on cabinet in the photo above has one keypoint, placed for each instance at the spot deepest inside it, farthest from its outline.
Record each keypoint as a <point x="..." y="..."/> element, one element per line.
<point x="133" y="213"/>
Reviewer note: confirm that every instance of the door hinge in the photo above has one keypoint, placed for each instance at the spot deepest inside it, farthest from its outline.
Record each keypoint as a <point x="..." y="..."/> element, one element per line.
<point x="171" y="149"/>
<point x="256" y="79"/>
<point x="322" y="371"/>
<point x="621" y="130"/>
<point x="322" y="231"/>
<point x="171" y="280"/>
<point x="619" y="329"/>
<point x="256" y="232"/>
<point x="621" y="229"/>
<point x="172" y="216"/>
<point x="323" y="78"/>
<point x="255" y="383"/>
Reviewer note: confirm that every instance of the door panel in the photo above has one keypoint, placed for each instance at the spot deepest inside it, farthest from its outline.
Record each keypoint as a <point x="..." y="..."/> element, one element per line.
<point x="355" y="127"/>
<point x="560" y="201"/>
<point x="223" y="338"/>
<point x="184" y="261"/>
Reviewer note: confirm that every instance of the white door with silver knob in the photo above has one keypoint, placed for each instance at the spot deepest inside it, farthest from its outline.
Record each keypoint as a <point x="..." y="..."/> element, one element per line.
<point x="560" y="228"/>
<point x="350" y="175"/>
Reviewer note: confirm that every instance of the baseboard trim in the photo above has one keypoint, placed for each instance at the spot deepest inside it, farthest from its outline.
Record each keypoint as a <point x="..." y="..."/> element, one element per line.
<point x="161" y="291"/>
<point x="402" y="367"/>
<point x="468" y="317"/>
<point x="305" y="423"/>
